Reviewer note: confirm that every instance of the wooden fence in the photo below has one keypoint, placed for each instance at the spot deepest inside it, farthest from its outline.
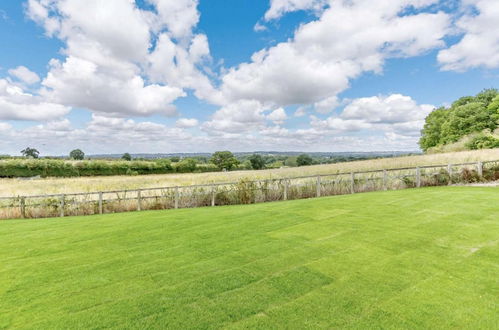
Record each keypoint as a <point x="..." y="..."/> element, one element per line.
<point x="244" y="191"/>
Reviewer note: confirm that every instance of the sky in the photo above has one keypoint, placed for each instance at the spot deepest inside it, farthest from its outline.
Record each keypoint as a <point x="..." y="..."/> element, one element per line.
<point x="164" y="76"/>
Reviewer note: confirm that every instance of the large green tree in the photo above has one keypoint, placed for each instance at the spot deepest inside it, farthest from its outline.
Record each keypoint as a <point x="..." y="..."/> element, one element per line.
<point x="431" y="133"/>
<point x="30" y="153"/>
<point x="304" y="160"/>
<point x="77" y="154"/>
<point x="467" y="115"/>
<point x="257" y="162"/>
<point x="224" y="160"/>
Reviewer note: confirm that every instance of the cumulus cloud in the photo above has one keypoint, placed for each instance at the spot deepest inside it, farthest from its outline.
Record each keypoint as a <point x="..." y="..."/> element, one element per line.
<point x="479" y="45"/>
<point x="81" y="83"/>
<point x="17" y="104"/>
<point x="395" y="108"/>
<point x="278" y="116"/>
<point x="280" y="7"/>
<point x="237" y="117"/>
<point x="25" y="75"/>
<point x="394" y="113"/>
<point x="187" y="123"/>
<point x="317" y="64"/>
<point x="138" y="70"/>
<point x="327" y="105"/>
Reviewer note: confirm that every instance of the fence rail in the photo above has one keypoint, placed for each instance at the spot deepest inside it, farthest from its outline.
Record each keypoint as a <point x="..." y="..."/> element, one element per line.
<point x="244" y="191"/>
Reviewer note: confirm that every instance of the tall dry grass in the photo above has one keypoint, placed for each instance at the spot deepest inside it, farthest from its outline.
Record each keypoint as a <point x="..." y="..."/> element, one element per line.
<point x="19" y="187"/>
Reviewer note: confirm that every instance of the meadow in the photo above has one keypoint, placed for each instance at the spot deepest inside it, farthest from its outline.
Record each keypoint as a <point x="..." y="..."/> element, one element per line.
<point x="410" y="259"/>
<point x="17" y="187"/>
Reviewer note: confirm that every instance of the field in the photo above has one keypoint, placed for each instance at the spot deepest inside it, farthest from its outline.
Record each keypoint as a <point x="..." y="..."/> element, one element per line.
<point x="417" y="258"/>
<point x="16" y="187"/>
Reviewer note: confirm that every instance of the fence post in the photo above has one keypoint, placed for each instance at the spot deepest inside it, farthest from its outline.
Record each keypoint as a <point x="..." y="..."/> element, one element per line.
<point x="62" y="205"/>
<point x="480" y="169"/>
<point x="139" y="200"/>
<point x="352" y="182"/>
<point x="176" y="197"/>
<point x="318" y="186"/>
<point x="22" y="205"/>
<point x="418" y="177"/>
<point x="285" y="195"/>
<point x="213" y="195"/>
<point x="449" y="170"/>
<point x="100" y="203"/>
<point x="385" y="187"/>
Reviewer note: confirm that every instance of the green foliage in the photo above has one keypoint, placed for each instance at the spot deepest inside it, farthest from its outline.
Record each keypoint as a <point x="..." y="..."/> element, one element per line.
<point x="257" y="162"/>
<point x="77" y="154"/>
<point x="30" y="153"/>
<point x="483" y="141"/>
<point x="466" y="116"/>
<point x="187" y="165"/>
<point x="304" y="160"/>
<point x="126" y="156"/>
<point x="431" y="134"/>
<point x="224" y="160"/>
<point x="61" y="168"/>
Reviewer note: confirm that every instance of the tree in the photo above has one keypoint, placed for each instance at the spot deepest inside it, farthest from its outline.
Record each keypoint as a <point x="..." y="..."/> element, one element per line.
<point x="467" y="115"/>
<point x="30" y="152"/>
<point x="126" y="156"/>
<point x="77" y="154"/>
<point x="466" y="119"/>
<point x="224" y="160"/>
<point x="304" y="160"/>
<point x="187" y="165"/>
<point x="431" y="133"/>
<point x="257" y="162"/>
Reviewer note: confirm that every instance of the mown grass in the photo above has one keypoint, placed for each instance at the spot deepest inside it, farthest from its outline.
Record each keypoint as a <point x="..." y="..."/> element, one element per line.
<point x="19" y="187"/>
<point x="418" y="258"/>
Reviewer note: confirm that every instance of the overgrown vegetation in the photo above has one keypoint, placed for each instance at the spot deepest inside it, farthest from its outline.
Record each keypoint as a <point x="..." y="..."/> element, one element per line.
<point x="244" y="191"/>
<point x="466" y="116"/>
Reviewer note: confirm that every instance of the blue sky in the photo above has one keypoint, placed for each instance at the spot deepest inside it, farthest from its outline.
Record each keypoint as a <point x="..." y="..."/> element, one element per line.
<point x="244" y="75"/>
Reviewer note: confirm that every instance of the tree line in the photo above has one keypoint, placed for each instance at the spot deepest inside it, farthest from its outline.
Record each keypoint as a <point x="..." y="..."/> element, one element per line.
<point x="472" y="117"/>
<point x="33" y="165"/>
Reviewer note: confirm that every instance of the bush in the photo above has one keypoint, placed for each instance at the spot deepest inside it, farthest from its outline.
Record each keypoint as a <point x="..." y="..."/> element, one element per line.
<point x="187" y="165"/>
<point x="483" y="142"/>
<point x="304" y="160"/>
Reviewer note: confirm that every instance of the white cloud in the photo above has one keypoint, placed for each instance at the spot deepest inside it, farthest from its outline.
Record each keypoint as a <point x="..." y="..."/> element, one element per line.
<point x="25" y="75"/>
<point x="278" y="116"/>
<point x="259" y="27"/>
<point x="179" y="16"/>
<point x="395" y="108"/>
<point x="280" y="7"/>
<point x="122" y="60"/>
<point x="80" y="83"/>
<point x="187" y="123"/>
<point x="17" y="104"/>
<point x="479" y="46"/>
<point x="317" y="64"/>
<point x="327" y="105"/>
<point x="237" y="117"/>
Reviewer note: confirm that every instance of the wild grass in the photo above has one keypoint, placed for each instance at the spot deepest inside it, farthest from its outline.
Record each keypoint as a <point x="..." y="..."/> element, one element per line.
<point x="411" y="259"/>
<point x="19" y="187"/>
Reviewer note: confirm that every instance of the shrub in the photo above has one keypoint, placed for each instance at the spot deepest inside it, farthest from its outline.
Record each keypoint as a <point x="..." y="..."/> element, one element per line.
<point x="304" y="160"/>
<point x="483" y="142"/>
<point x="469" y="176"/>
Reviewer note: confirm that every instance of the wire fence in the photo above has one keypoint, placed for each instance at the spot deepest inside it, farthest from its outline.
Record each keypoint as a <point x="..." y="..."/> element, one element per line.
<point x="244" y="191"/>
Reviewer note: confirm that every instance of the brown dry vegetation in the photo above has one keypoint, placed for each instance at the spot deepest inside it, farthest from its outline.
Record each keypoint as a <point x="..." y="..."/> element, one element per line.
<point x="17" y="187"/>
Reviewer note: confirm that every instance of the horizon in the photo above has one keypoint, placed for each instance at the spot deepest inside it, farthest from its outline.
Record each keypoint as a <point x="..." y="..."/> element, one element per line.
<point x="196" y="76"/>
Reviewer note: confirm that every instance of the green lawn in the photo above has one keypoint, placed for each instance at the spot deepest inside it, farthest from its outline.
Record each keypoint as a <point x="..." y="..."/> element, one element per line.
<point x="422" y="258"/>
